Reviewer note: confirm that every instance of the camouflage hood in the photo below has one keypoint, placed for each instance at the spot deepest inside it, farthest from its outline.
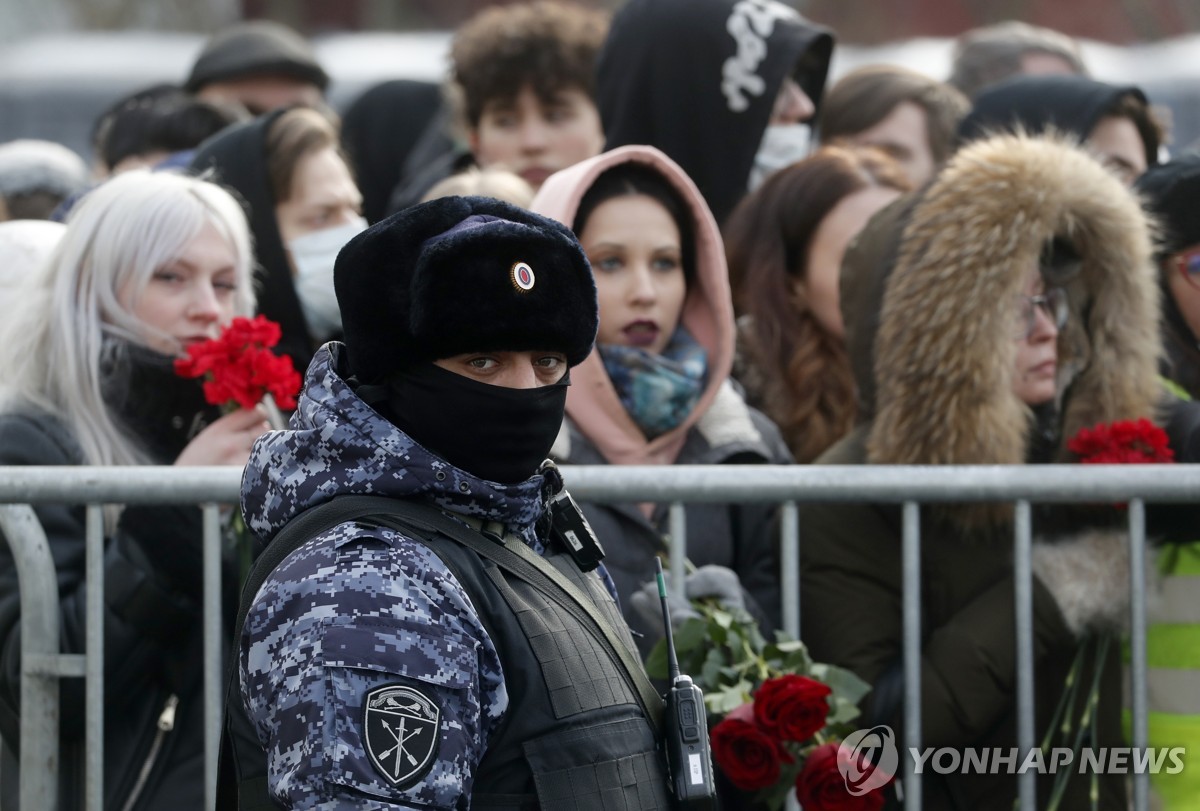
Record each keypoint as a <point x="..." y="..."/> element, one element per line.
<point x="339" y="445"/>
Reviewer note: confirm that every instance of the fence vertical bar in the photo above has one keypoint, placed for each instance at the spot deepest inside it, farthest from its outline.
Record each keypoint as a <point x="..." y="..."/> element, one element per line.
<point x="212" y="650"/>
<point x="789" y="562"/>
<point x="1137" y="646"/>
<point x="678" y="549"/>
<point x="912" y="651"/>
<point x="1023" y="599"/>
<point x="39" y="642"/>
<point x="94" y="687"/>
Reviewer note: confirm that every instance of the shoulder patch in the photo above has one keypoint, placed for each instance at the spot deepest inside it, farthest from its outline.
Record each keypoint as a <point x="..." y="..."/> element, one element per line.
<point x="401" y="732"/>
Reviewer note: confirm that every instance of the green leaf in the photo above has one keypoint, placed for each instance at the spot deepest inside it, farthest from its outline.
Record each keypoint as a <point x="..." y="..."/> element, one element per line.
<point x="722" y="618"/>
<point x="757" y="642"/>
<point x="656" y="661"/>
<point x="692" y="632"/>
<point x="796" y="662"/>
<point x="844" y="683"/>
<point x="841" y="711"/>
<point x="718" y="634"/>
<point x="730" y="673"/>
<point x="710" y="672"/>
<point x="785" y="645"/>
<point x="722" y="702"/>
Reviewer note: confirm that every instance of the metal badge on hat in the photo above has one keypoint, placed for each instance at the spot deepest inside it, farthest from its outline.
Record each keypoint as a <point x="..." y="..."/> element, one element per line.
<point x="521" y="275"/>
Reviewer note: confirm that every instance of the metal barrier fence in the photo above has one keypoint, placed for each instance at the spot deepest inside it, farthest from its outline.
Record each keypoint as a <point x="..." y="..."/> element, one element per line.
<point x="43" y="665"/>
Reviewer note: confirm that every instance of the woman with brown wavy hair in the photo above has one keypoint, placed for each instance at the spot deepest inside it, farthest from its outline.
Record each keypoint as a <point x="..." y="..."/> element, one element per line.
<point x="784" y="245"/>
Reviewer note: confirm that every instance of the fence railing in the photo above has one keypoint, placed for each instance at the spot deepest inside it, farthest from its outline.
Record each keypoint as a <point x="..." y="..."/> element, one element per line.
<point x="43" y="665"/>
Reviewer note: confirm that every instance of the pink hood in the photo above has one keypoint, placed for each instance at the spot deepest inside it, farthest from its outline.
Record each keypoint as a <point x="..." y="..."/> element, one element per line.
<point x="592" y="401"/>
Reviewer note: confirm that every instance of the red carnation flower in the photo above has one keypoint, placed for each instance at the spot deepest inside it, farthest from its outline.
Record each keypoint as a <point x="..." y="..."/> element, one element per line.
<point x="239" y="368"/>
<point x="1122" y="442"/>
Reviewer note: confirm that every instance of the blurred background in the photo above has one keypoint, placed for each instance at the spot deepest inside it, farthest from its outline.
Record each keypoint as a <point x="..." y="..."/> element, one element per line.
<point x="63" y="61"/>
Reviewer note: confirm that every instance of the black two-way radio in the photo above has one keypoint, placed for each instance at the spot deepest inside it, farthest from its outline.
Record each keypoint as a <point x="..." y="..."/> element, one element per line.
<point x="689" y="759"/>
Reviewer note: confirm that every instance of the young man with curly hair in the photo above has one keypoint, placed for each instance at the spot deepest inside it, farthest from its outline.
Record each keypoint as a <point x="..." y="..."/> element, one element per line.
<point x="523" y="80"/>
<point x="526" y="73"/>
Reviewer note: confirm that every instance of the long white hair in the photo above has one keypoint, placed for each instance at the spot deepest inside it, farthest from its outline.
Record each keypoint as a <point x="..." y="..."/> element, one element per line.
<point x="58" y="333"/>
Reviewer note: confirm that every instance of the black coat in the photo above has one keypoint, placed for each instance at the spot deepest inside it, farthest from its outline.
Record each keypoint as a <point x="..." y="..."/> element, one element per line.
<point x="739" y="536"/>
<point x="152" y="617"/>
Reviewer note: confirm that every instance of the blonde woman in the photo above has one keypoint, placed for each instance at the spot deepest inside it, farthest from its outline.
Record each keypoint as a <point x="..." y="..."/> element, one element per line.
<point x="148" y="264"/>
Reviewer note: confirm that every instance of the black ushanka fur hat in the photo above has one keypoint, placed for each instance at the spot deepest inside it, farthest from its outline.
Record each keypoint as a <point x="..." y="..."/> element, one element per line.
<point x="462" y="274"/>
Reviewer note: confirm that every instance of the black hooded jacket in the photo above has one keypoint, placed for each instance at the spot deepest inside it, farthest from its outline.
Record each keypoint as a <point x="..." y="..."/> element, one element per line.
<point x="237" y="157"/>
<point x="391" y="132"/>
<point x="672" y="75"/>
<point x="1069" y="104"/>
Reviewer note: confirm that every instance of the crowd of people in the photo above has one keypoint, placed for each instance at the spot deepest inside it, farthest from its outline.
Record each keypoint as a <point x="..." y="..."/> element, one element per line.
<point x="655" y="238"/>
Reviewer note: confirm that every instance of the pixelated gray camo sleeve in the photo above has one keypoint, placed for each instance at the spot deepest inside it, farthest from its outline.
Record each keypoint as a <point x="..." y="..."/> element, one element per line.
<point x="368" y="676"/>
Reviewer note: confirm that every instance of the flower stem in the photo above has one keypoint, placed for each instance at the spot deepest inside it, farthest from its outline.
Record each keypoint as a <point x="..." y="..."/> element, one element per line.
<point x="274" y="415"/>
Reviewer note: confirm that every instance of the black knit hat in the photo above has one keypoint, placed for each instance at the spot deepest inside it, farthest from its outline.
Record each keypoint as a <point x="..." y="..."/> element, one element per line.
<point x="462" y="274"/>
<point x="254" y="48"/>
<point x="1171" y="192"/>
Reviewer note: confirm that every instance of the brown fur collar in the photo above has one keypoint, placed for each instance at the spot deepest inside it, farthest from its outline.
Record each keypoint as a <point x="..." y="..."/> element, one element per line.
<point x="944" y="355"/>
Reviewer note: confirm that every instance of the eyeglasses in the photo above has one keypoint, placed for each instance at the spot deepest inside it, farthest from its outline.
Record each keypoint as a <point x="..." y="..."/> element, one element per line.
<point x="1188" y="263"/>
<point x="1053" y="302"/>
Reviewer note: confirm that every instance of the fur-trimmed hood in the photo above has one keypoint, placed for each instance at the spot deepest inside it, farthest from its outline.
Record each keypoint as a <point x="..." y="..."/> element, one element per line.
<point x="944" y="354"/>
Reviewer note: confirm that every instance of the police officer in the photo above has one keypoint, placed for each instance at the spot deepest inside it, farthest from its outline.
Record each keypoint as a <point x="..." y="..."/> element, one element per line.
<point x="384" y="669"/>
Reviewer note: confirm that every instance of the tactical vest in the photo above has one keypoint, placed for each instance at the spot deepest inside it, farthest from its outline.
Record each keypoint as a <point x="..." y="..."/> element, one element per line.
<point x="574" y="735"/>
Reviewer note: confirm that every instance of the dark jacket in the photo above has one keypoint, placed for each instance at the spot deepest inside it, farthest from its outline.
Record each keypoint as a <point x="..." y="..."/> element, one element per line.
<point x="523" y="698"/>
<point x="698" y="79"/>
<point x="153" y="636"/>
<point x="930" y="350"/>
<point x="741" y="537"/>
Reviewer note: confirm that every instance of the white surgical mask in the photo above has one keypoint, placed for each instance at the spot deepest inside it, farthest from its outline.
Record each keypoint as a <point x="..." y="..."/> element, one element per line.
<point x="313" y="256"/>
<point x="782" y="145"/>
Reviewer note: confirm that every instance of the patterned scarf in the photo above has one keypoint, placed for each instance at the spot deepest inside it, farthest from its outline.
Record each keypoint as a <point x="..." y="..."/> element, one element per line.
<point x="658" y="391"/>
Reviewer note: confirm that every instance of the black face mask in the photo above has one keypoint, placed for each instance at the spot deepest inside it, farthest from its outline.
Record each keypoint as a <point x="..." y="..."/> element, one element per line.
<point x="493" y="432"/>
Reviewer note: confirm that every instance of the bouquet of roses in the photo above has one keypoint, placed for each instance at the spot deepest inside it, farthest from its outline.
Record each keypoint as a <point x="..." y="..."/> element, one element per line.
<point x="240" y="370"/>
<point x="784" y="715"/>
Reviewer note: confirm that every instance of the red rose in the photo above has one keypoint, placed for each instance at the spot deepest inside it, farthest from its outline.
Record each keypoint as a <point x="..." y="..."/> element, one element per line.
<point x="750" y="758"/>
<point x="791" y="707"/>
<point x="821" y="786"/>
